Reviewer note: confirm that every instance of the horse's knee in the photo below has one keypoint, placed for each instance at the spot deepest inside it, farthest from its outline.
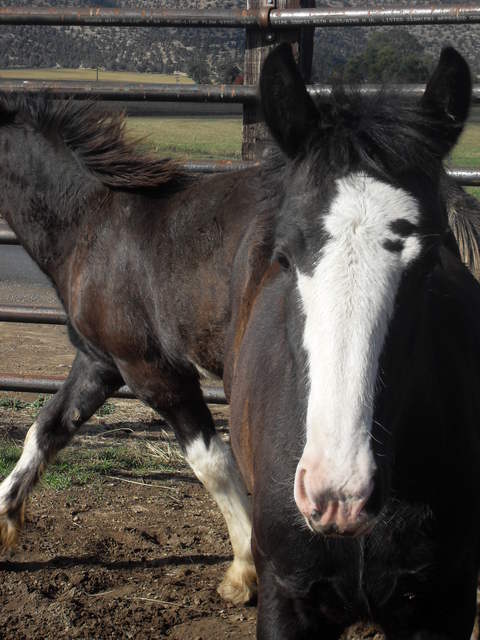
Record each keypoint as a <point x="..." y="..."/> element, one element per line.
<point x="240" y="582"/>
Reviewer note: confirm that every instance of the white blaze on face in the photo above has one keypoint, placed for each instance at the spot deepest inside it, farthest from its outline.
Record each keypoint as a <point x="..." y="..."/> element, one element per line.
<point x="348" y="302"/>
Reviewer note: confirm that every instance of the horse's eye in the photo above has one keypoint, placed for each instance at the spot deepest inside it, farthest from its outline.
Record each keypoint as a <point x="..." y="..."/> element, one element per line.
<point x="283" y="260"/>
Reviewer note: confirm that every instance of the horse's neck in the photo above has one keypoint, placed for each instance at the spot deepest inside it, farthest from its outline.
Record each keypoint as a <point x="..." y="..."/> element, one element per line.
<point x="48" y="201"/>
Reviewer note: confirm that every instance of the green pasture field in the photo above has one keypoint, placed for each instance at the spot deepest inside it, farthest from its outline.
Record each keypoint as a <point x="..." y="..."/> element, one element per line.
<point x="467" y="151"/>
<point x="198" y="138"/>
<point x="91" y="74"/>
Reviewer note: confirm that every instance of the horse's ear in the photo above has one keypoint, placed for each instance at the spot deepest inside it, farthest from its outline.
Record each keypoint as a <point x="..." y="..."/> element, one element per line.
<point x="288" y="109"/>
<point x="448" y="95"/>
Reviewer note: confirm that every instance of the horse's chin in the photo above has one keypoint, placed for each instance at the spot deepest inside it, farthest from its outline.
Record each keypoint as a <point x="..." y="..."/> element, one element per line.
<point x="364" y="527"/>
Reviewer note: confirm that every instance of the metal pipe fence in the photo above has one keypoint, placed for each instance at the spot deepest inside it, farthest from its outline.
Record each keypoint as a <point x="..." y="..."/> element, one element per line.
<point x="33" y="315"/>
<point x="264" y="18"/>
<point x="268" y="19"/>
<point x="222" y="93"/>
<point x="29" y="384"/>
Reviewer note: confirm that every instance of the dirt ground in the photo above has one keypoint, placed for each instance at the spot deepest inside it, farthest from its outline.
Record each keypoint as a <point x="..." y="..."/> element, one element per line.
<point x="129" y="555"/>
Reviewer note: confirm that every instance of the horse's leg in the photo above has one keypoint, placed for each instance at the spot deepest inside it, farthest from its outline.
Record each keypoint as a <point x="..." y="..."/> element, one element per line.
<point x="178" y="397"/>
<point x="89" y="383"/>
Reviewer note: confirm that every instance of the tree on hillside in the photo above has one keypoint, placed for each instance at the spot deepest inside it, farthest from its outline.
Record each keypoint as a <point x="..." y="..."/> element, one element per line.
<point x="389" y="56"/>
<point x="199" y="70"/>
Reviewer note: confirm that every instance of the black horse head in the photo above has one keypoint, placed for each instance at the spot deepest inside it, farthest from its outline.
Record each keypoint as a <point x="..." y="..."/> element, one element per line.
<point x="361" y="215"/>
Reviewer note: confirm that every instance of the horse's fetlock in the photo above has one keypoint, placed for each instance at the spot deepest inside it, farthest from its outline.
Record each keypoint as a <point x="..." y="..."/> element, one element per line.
<point x="240" y="582"/>
<point x="11" y="522"/>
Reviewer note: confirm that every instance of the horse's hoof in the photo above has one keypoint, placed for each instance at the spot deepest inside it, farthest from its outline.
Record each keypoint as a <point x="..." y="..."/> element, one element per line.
<point x="240" y="583"/>
<point x="10" y="526"/>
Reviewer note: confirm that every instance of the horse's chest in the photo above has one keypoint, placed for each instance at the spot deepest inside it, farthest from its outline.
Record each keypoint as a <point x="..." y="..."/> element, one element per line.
<point x="386" y="573"/>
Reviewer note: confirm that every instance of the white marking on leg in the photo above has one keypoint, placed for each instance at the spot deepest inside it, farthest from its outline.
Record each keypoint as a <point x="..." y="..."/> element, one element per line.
<point x="348" y="302"/>
<point x="216" y="469"/>
<point x="27" y="467"/>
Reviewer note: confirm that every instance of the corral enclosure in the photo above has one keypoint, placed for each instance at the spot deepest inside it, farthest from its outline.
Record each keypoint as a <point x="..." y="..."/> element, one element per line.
<point x="121" y="540"/>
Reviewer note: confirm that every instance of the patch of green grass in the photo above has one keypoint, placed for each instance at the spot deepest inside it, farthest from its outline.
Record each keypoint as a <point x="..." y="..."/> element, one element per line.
<point x="467" y="151"/>
<point x="19" y="405"/>
<point x="13" y="403"/>
<point x="9" y="454"/>
<point x="196" y="138"/>
<point x="106" y="409"/>
<point x="85" y="465"/>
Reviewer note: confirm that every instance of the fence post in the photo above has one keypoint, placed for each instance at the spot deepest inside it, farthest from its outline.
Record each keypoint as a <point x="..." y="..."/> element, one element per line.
<point x="258" y="44"/>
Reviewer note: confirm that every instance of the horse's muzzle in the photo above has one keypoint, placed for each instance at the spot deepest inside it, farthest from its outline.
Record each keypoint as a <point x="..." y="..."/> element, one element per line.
<point x="334" y="513"/>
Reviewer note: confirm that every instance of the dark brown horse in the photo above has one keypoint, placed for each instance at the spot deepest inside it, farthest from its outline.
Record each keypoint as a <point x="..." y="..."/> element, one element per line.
<point x="142" y="258"/>
<point x="353" y="367"/>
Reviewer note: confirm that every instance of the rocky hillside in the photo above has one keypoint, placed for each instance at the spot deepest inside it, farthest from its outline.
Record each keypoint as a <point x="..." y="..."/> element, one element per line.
<point x="166" y="50"/>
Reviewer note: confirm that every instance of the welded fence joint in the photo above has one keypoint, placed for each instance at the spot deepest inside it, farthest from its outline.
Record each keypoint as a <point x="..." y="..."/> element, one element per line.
<point x="238" y="18"/>
<point x="212" y="395"/>
<point x="223" y="93"/>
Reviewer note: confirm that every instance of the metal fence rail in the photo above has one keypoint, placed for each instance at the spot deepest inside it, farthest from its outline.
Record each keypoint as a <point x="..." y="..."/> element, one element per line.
<point x="234" y="18"/>
<point x="212" y="395"/>
<point x="34" y="315"/>
<point x="222" y="93"/>
<point x="267" y="19"/>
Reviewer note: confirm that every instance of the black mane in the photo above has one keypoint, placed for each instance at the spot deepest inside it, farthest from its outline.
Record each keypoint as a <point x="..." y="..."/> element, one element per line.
<point x="98" y="139"/>
<point x="381" y="133"/>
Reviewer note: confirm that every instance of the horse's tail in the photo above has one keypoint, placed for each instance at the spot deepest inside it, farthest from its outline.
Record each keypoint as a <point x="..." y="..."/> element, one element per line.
<point x="464" y="219"/>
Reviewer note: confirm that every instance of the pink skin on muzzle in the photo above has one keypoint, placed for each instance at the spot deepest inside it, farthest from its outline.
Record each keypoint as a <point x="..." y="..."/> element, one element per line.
<point x="327" y="510"/>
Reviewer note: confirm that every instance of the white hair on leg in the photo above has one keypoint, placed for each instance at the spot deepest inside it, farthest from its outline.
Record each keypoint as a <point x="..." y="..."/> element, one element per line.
<point x="16" y="486"/>
<point x="216" y="469"/>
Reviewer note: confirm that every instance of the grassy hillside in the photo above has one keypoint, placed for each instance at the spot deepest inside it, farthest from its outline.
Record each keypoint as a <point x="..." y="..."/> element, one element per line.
<point x="91" y="74"/>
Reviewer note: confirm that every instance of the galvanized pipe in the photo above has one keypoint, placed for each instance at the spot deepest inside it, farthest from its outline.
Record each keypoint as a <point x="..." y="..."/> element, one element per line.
<point x="212" y="395"/>
<point x="224" y="93"/>
<point x="374" y="16"/>
<point x="34" y="315"/>
<point x="465" y="177"/>
<point x="235" y="18"/>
